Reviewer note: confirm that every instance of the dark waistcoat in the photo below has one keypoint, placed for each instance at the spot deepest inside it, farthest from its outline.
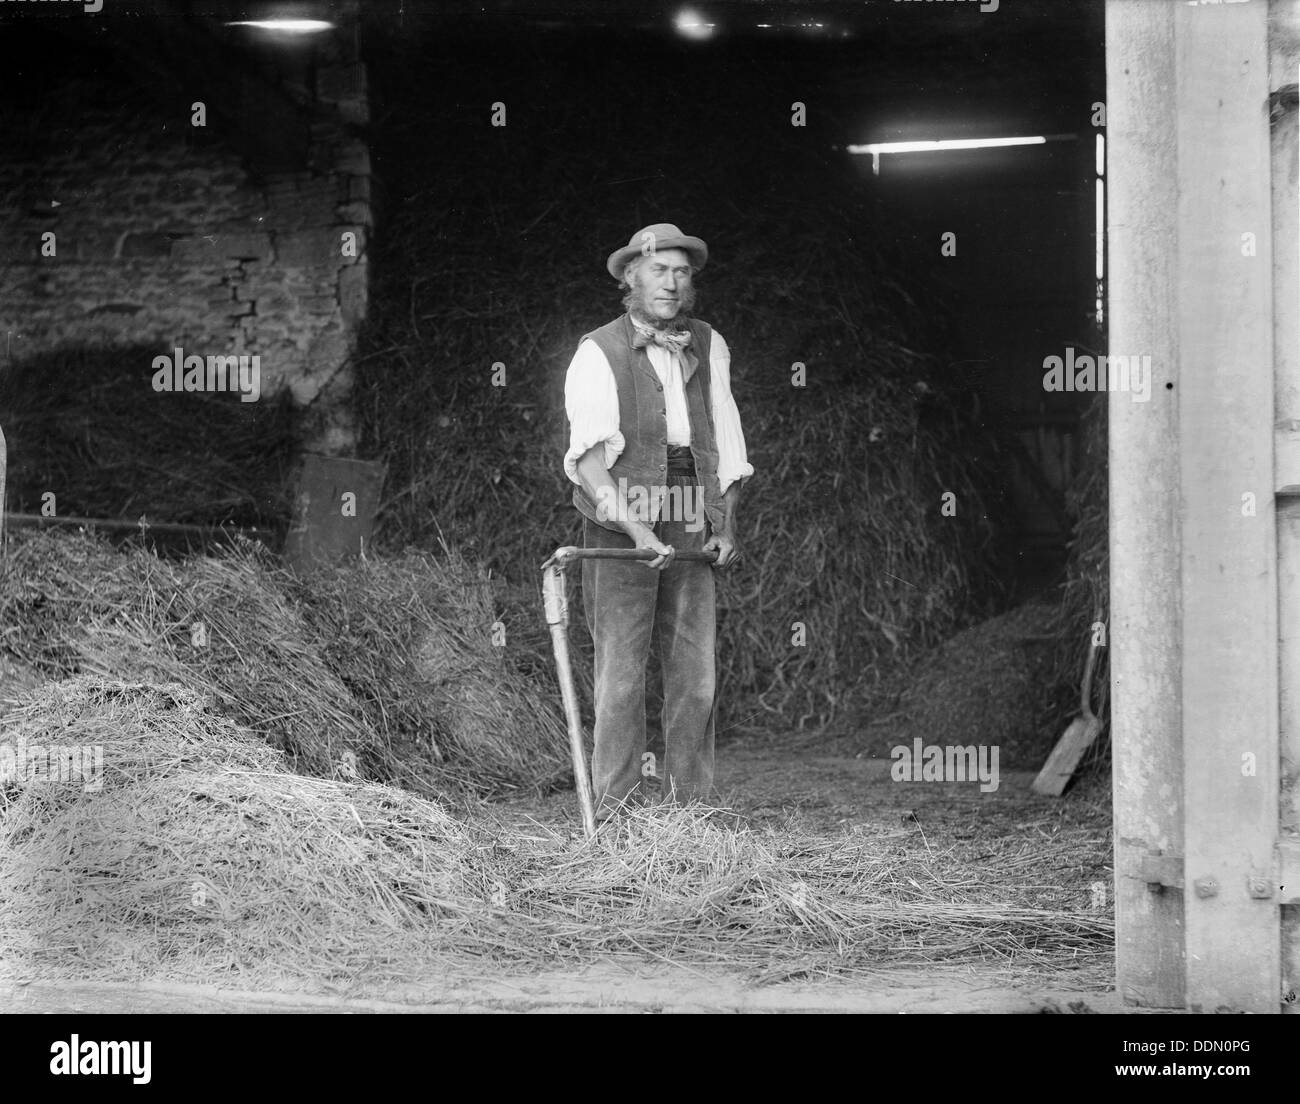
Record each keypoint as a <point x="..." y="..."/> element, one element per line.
<point x="643" y="421"/>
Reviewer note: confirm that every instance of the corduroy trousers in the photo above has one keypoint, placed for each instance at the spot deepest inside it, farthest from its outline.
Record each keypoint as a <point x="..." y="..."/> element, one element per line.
<point x="630" y="609"/>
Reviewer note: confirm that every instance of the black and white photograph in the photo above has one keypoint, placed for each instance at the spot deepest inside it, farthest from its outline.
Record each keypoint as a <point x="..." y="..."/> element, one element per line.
<point x="650" y="506"/>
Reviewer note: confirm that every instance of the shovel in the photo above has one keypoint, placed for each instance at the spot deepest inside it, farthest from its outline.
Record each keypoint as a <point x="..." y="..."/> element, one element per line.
<point x="556" y="598"/>
<point x="1060" y="765"/>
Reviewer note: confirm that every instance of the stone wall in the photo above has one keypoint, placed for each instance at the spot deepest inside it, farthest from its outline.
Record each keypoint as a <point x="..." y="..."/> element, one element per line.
<point x="127" y="225"/>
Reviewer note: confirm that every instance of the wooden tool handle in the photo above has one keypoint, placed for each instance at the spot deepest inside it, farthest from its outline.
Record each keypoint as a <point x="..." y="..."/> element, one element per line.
<point x="566" y="555"/>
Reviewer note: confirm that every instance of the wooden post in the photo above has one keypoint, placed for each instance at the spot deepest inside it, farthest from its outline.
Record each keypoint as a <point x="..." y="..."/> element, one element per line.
<point x="1284" y="86"/>
<point x="1229" y="540"/>
<point x="334" y="509"/>
<point x="1193" y="537"/>
<point x="1146" y="722"/>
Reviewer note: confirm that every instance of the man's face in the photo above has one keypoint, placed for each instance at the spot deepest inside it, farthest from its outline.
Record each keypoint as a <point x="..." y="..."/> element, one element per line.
<point x="662" y="284"/>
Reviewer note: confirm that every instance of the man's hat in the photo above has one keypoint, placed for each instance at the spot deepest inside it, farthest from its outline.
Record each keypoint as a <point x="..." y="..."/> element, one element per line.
<point x="662" y="235"/>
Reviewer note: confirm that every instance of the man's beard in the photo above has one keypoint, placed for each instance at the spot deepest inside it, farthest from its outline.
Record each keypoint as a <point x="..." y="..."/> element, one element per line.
<point x="632" y="301"/>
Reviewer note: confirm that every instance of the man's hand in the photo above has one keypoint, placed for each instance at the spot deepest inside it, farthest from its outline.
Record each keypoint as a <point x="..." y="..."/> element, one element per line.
<point x="598" y="483"/>
<point x="645" y="538"/>
<point x="727" y="548"/>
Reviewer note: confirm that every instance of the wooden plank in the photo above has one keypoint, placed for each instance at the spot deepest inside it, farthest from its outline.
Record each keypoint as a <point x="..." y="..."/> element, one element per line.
<point x="1146" y="707"/>
<point x="334" y="511"/>
<point x="1288" y="875"/>
<point x="1286" y="449"/>
<point x="166" y="528"/>
<point x="1228" y="552"/>
<point x="1284" y="75"/>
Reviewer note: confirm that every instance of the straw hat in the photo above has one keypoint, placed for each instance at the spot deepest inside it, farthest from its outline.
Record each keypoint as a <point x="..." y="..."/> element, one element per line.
<point x="662" y="235"/>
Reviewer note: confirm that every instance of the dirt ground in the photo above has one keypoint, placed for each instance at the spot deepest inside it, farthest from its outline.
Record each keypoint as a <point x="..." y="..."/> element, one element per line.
<point x="1047" y="853"/>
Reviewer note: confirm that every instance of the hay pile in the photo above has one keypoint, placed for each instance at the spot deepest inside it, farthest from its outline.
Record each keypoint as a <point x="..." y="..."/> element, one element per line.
<point x="681" y="885"/>
<point x="419" y="641"/>
<point x="987" y="685"/>
<point x="74" y="604"/>
<point x="203" y="859"/>
<point x="88" y="425"/>
<point x="320" y="668"/>
<point x="842" y="523"/>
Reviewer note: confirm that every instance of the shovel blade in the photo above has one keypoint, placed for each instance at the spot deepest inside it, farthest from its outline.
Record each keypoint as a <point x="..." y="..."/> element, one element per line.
<point x="1061" y="764"/>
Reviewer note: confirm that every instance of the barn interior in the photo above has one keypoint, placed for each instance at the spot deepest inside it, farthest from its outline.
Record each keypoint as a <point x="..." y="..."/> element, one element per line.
<point x="400" y="218"/>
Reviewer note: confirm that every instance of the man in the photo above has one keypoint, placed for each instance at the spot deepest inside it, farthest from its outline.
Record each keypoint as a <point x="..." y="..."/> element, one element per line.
<point x="658" y="455"/>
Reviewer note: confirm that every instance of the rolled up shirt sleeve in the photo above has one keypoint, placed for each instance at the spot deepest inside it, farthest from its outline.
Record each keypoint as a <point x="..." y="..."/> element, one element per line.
<point x="591" y="401"/>
<point x="733" y="459"/>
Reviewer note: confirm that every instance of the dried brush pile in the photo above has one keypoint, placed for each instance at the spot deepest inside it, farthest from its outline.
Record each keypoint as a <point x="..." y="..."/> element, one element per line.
<point x="386" y="670"/>
<point x="203" y="859"/>
<point x="89" y="426"/>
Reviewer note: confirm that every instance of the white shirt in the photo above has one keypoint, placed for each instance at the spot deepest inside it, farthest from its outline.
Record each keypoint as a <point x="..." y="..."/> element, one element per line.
<point x="591" y="400"/>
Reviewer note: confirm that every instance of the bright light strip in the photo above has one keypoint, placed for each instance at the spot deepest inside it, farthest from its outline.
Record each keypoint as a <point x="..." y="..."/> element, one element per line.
<point x="1099" y="228"/>
<point x="875" y="148"/>
<point x="690" y="24"/>
<point x="285" y="26"/>
<point x="1099" y="224"/>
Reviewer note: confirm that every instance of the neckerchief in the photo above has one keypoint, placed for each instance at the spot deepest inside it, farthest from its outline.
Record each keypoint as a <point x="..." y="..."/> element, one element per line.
<point x="675" y="341"/>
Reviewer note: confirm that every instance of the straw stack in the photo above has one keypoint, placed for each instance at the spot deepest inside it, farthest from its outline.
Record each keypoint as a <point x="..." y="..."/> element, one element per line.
<point x="387" y="672"/>
<point x="419" y="640"/>
<point x="202" y="856"/>
<point x="203" y="859"/>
